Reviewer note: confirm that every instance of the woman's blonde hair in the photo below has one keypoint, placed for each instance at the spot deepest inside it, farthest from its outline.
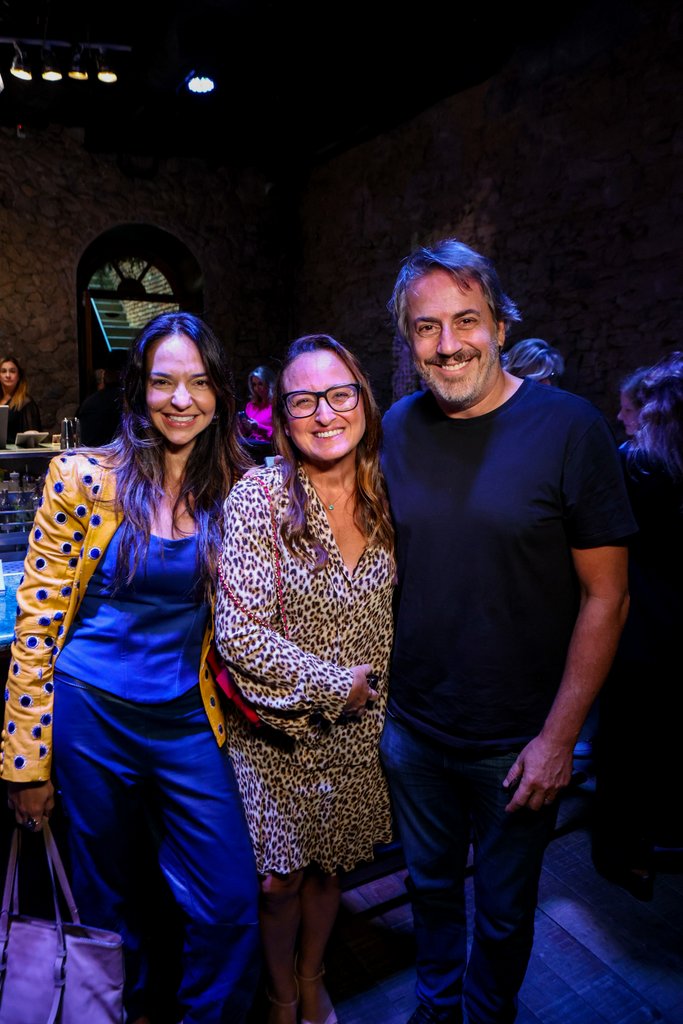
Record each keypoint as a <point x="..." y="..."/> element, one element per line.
<point x="372" y="507"/>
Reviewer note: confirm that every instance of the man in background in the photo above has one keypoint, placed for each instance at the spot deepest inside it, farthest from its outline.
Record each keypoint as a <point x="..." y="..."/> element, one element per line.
<point x="99" y="414"/>
<point x="510" y="513"/>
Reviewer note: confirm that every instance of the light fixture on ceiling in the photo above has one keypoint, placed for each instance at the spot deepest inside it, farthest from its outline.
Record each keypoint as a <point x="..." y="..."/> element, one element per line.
<point x="199" y="83"/>
<point x="50" y="71"/>
<point x="77" y="68"/>
<point x="104" y="72"/>
<point x="20" y="68"/>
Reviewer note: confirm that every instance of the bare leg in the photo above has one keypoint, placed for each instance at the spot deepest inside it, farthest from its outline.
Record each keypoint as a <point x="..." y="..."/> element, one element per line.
<point x="279" y="916"/>
<point x="320" y="895"/>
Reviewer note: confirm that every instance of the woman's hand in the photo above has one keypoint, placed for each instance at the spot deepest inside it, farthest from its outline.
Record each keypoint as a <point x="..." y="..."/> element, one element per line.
<point x="32" y="803"/>
<point x="361" y="692"/>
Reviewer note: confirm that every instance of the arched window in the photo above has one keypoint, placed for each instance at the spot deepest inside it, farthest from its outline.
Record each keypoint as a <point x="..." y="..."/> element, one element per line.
<point x="126" y="277"/>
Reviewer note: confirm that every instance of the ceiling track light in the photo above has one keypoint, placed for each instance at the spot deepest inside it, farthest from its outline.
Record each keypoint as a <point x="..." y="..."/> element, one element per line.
<point x="104" y="72"/>
<point x="82" y="56"/>
<point x="77" y="69"/>
<point x="20" y="68"/>
<point x="50" y="71"/>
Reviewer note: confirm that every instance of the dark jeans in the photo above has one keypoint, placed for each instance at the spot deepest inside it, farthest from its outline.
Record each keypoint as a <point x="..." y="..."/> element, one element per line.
<point x="442" y="802"/>
<point x="119" y="765"/>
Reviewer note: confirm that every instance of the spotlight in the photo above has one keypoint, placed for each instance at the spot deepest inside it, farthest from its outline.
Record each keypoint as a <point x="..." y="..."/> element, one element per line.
<point x="104" y="72"/>
<point x="50" y="72"/>
<point x="77" y="69"/>
<point x="199" y="83"/>
<point x="20" y="68"/>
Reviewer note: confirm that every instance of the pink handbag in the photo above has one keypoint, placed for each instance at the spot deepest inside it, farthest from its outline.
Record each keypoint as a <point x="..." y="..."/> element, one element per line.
<point x="55" y="972"/>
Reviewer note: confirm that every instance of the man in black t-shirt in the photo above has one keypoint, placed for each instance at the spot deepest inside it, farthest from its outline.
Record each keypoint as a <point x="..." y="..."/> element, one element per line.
<point x="510" y="512"/>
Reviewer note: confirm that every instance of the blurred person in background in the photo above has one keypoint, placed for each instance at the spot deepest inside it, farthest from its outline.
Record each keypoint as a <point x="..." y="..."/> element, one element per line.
<point x="99" y="414"/>
<point x="535" y="359"/>
<point x="637" y="748"/>
<point x="23" y="411"/>
<point x="630" y="400"/>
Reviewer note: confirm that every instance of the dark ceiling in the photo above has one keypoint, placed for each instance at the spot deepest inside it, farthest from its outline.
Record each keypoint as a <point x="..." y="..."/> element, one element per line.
<point x="296" y="82"/>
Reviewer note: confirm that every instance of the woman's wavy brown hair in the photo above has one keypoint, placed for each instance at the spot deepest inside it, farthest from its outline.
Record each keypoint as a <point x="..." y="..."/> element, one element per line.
<point x="372" y="507"/>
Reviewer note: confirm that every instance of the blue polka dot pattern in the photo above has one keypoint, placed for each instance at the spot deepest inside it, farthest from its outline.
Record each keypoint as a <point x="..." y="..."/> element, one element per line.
<point x="67" y="540"/>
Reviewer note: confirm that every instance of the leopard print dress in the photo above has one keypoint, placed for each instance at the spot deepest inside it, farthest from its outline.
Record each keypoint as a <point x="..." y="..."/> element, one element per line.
<point x="321" y="797"/>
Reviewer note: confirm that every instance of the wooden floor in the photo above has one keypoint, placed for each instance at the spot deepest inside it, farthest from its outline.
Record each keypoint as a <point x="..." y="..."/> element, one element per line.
<point x="599" y="955"/>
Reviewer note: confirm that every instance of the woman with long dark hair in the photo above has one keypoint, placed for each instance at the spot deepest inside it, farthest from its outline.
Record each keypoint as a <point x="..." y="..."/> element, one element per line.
<point x="638" y="767"/>
<point x="108" y="671"/>
<point x="303" y="618"/>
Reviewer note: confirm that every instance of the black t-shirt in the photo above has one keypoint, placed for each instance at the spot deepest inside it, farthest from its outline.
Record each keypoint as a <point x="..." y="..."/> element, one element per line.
<point x="486" y="511"/>
<point x="19" y="420"/>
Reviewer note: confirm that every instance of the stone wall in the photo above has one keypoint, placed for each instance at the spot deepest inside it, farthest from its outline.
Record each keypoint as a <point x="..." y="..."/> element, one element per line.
<point x="565" y="169"/>
<point x="56" y="198"/>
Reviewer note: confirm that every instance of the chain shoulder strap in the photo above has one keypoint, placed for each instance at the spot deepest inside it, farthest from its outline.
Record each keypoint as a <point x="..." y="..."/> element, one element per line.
<point x="278" y="578"/>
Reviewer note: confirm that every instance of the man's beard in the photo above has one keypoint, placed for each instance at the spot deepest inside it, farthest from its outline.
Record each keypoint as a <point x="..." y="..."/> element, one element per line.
<point x="463" y="392"/>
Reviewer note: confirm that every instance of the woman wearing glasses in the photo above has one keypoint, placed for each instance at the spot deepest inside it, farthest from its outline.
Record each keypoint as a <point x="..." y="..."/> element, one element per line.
<point x="303" y="619"/>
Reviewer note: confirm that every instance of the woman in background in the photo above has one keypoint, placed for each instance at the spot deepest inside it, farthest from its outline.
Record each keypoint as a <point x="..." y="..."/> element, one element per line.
<point x="535" y="359"/>
<point x="307" y="637"/>
<point x="258" y="425"/>
<point x="112" y="632"/>
<point x="630" y="400"/>
<point x="638" y="766"/>
<point x="23" y="411"/>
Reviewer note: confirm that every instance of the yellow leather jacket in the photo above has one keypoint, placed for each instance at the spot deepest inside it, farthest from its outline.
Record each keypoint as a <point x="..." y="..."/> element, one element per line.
<point x="73" y="526"/>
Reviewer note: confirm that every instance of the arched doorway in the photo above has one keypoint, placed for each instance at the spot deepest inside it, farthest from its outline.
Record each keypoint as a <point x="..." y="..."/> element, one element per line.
<point x="125" y="277"/>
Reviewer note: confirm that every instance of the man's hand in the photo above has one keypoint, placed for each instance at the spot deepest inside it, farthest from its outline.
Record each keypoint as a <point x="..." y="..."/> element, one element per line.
<point x="539" y="773"/>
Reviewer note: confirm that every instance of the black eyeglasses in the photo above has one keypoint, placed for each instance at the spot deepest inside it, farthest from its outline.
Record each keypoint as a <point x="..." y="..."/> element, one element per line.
<point x="340" y="398"/>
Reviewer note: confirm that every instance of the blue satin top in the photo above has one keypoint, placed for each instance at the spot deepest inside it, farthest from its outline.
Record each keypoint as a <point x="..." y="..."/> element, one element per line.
<point x="142" y="643"/>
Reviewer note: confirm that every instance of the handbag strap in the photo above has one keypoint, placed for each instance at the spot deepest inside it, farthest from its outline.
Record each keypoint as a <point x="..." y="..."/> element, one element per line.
<point x="278" y="578"/>
<point x="11" y="895"/>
